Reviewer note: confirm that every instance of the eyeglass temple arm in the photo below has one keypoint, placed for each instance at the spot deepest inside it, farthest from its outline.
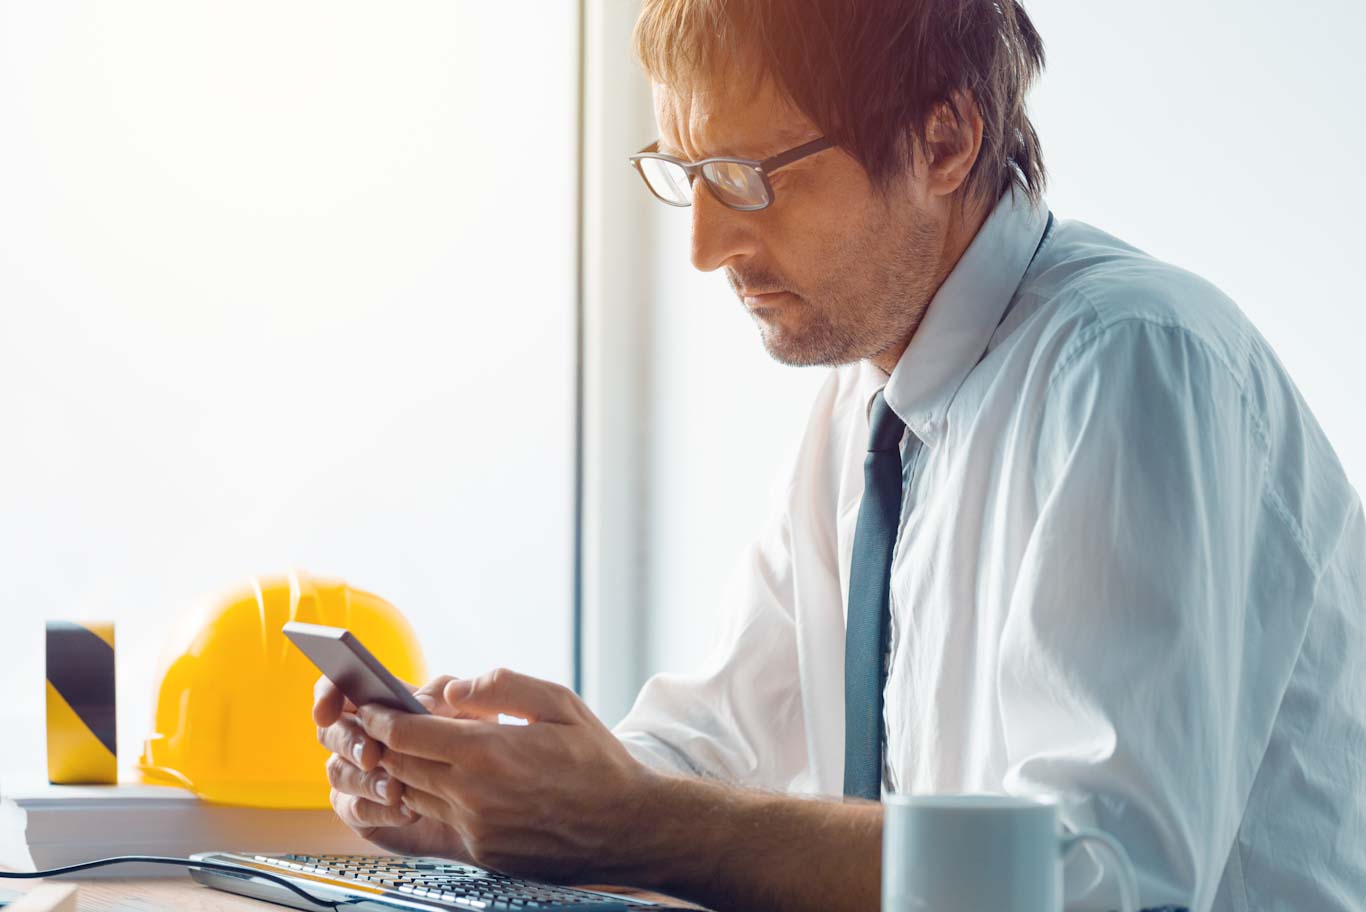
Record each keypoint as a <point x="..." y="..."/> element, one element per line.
<point x="791" y="155"/>
<point x="652" y="147"/>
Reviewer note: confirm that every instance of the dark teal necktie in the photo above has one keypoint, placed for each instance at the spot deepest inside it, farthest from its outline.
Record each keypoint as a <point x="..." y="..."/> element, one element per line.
<point x="865" y="632"/>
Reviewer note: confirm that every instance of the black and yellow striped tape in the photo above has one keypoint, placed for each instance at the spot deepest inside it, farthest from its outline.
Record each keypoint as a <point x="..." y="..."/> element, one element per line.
<point x="82" y="746"/>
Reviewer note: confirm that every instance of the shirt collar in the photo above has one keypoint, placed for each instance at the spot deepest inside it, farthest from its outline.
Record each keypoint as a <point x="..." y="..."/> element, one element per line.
<point x="963" y="315"/>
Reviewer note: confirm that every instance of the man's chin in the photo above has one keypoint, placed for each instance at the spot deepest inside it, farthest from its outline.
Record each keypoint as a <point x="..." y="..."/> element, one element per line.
<point x="803" y="349"/>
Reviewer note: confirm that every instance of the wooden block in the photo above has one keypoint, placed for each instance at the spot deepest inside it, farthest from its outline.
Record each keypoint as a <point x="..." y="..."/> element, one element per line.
<point x="46" y="898"/>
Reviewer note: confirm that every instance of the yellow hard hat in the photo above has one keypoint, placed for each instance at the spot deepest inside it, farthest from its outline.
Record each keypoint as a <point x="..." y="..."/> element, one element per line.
<point x="234" y="707"/>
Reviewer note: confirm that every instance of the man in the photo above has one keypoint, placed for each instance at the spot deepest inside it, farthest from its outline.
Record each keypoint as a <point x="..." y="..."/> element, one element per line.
<point x="1059" y="524"/>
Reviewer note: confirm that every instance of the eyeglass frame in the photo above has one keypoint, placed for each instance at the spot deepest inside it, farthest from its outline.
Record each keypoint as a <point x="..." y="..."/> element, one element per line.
<point x="764" y="167"/>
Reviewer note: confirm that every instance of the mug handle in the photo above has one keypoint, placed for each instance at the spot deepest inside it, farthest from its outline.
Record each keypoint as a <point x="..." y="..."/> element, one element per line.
<point x="1128" y="883"/>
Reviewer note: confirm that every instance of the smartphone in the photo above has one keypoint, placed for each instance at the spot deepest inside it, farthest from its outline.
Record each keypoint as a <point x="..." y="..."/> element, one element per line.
<point x="352" y="667"/>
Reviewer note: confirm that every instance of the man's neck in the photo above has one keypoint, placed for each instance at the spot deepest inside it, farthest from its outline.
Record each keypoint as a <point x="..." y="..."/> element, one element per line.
<point x="963" y="225"/>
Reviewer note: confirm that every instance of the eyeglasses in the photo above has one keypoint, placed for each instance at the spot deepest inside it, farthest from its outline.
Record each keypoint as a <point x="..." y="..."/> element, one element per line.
<point x="740" y="183"/>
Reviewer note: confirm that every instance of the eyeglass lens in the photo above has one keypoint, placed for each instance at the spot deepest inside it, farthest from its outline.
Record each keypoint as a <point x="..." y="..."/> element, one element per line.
<point x="669" y="181"/>
<point x="733" y="183"/>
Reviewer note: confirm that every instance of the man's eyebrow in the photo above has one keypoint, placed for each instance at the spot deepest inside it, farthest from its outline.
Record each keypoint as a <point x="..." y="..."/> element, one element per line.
<point x="786" y="139"/>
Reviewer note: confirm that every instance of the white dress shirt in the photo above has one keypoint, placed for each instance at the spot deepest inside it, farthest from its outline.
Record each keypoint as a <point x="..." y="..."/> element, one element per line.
<point x="1130" y="573"/>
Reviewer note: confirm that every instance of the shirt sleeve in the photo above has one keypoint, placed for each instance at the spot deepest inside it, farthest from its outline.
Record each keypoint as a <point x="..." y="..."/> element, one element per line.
<point x="1123" y="664"/>
<point x="745" y="716"/>
<point x="740" y="718"/>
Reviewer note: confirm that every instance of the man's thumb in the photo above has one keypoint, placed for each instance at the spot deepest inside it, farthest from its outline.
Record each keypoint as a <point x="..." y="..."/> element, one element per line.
<point x="504" y="691"/>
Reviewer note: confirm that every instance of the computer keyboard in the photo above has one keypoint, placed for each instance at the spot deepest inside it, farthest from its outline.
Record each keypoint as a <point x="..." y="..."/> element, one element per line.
<point x="431" y="882"/>
<point x="431" y="879"/>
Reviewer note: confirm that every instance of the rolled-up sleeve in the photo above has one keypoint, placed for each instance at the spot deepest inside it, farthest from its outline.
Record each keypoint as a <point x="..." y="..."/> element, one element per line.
<point x="740" y="718"/>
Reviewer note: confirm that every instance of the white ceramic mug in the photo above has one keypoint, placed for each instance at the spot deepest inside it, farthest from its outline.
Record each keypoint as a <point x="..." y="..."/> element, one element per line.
<point x="972" y="853"/>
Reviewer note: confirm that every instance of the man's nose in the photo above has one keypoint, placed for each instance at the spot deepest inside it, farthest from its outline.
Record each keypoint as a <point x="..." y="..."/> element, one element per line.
<point x="719" y="233"/>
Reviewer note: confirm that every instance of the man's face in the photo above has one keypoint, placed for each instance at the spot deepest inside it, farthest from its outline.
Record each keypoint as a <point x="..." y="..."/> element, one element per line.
<point x="834" y="270"/>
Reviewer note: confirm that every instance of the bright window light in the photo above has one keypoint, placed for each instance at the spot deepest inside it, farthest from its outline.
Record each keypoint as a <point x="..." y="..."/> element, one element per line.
<point x="285" y="284"/>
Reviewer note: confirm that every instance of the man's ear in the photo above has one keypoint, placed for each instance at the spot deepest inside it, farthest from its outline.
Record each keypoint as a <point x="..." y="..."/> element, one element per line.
<point x="953" y="140"/>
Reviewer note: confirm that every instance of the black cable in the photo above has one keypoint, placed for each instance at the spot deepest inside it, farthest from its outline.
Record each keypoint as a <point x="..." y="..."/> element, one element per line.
<point x="186" y="862"/>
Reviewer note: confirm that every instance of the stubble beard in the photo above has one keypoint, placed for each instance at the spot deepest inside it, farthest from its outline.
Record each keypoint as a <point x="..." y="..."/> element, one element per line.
<point x="820" y="341"/>
<point x="848" y="321"/>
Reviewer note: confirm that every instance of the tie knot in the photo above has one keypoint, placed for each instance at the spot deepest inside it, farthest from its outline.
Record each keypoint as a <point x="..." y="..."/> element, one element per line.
<point x="884" y="427"/>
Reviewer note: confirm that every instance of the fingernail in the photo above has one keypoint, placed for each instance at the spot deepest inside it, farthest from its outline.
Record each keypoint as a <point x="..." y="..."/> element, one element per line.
<point x="356" y="750"/>
<point x="426" y="700"/>
<point x="408" y="812"/>
<point x="382" y="786"/>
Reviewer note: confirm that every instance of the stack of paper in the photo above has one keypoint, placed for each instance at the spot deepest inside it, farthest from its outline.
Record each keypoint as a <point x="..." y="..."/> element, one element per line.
<point x="46" y="826"/>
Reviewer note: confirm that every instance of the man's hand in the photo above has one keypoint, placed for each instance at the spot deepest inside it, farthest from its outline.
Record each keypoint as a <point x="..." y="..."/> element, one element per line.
<point x="364" y="796"/>
<point x="561" y="799"/>
<point x="558" y="798"/>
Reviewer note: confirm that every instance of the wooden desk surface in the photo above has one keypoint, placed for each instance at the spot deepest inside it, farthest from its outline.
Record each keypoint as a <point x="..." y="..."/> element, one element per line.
<point x="176" y="894"/>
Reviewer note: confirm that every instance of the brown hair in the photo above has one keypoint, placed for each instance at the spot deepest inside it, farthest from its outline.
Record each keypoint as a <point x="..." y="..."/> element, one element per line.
<point x="869" y="73"/>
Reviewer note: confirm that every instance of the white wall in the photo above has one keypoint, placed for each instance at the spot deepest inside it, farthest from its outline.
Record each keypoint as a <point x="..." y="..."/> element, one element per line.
<point x="1226" y="137"/>
<point x="285" y="283"/>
